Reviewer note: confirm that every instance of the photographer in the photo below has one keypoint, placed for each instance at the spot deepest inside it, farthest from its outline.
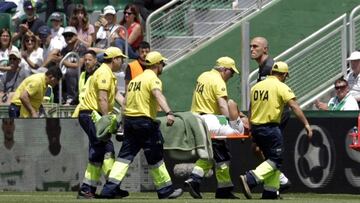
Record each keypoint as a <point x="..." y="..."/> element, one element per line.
<point x="105" y="28"/>
<point x="13" y="77"/>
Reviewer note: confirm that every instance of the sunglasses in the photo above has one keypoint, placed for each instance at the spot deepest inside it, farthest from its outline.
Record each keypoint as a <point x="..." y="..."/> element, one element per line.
<point x="340" y="87"/>
<point x="13" y="59"/>
<point x="127" y="13"/>
<point x="29" y="40"/>
<point x="68" y="35"/>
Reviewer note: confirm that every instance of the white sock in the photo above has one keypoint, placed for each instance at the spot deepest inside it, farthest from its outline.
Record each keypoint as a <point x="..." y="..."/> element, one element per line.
<point x="283" y="179"/>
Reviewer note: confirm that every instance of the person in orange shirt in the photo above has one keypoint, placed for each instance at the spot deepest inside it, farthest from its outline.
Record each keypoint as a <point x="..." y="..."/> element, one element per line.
<point x="136" y="67"/>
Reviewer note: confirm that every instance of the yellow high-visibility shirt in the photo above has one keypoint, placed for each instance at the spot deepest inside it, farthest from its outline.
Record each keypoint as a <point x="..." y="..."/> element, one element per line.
<point x="268" y="99"/>
<point x="36" y="86"/>
<point x="139" y="98"/>
<point x="102" y="79"/>
<point x="209" y="87"/>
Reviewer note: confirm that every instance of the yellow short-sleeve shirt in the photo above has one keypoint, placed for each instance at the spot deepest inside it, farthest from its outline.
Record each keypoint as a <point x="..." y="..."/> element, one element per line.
<point x="209" y="87"/>
<point x="102" y="79"/>
<point x="36" y="86"/>
<point x="139" y="98"/>
<point x="268" y="99"/>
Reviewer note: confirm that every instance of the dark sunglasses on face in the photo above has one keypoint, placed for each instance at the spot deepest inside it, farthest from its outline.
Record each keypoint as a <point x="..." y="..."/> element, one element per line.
<point x="29" y="40"/>
<point x="127" y="13"/>
<point x="340" y="87"/>
<point x="68" y="35"/>
<point x="13" y="59"/>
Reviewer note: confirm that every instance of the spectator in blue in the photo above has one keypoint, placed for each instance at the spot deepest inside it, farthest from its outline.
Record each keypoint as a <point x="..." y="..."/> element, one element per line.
<point x="30" y="23"/>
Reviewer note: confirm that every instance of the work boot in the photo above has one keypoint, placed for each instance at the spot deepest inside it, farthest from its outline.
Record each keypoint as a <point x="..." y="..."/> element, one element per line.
<point x="225" y="193"/>
<point x="86" y="192"/>
<point x="284" y="186"/>
<point x="194" y="188"/>
<point x="269" y="195"/>
<point x="85" y="195"/>
<point x="177" y="193"/>
<point x="245" y="187"/>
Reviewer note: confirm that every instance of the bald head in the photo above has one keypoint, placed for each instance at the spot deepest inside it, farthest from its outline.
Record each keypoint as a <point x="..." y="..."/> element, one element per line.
<point x="259" y="49"/>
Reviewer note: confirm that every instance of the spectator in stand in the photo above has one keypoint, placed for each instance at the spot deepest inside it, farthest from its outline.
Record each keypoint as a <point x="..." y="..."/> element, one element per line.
<point x="50" y="46"/>
<point x="85" y="30"/>
<point x="146" y="7"/>
<point x="31" y="51"/>
<point x="57" y="28"/>
<point x="13" y="77"/>
<point x="138" y="66"/>
<point x="10" y="5"/>
<point x="353" y="77"/>
<point x="30" y="23"/>
<point x="106" y="28"/>
<point x="343" y="101"/>
<point x="5" y="48"/>
<point x="72" y="65"/>
<point x="131" y="21"/>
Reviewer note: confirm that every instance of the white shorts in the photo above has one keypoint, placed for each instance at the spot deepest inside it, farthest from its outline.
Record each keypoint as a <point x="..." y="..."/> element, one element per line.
<point x="219" y="125"/>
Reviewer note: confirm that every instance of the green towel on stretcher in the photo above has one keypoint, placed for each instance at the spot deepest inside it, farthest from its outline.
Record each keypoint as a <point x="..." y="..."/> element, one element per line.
<point x="186" y="134"/>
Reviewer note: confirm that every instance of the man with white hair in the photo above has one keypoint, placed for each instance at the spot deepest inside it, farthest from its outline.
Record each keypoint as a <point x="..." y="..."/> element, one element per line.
<point x="353" y="76"/>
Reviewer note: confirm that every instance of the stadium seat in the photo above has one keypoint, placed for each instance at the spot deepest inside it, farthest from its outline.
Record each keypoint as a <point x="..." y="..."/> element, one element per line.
<point x="96" y="5"/>
<point x="120" y="4"/>
<point x="5" y="21"/>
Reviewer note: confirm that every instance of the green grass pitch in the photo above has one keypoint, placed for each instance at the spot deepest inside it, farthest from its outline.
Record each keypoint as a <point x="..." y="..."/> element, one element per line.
<point x="150" y="197"/>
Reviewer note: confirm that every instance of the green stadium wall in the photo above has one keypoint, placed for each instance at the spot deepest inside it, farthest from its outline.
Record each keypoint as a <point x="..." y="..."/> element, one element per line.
<point x="283" y="24"/>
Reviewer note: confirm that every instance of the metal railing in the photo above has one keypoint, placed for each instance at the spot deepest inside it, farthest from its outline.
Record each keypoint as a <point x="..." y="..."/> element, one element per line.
<point x="315" y="62"/>
<point x="354" y="29"/>
<point x="182" y="25"/>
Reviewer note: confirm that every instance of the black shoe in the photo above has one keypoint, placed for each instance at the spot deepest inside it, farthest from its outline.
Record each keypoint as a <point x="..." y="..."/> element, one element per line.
<point x="245" y="187"/>
<point x="285" y="186"/>
<point x="177" y="193"/>
<point x="85" y="195"/>
<point x="194" y="188"/>
<point x="227" y="195"/>
<point x="122" y="193"/>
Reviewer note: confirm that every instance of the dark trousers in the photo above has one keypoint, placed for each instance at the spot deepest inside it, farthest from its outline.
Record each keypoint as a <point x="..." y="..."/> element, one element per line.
<point x="142" y="133"/>
<point x="97" y="148"/>
<point x="14" y="111"/>
<point x="120" y="43"/>
<point x="270" y="140"/>
<point x="221" y="151"/>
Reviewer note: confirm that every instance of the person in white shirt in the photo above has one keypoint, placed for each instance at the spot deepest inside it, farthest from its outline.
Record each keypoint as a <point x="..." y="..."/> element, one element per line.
<point x="5" y="48"/>
<point x="106" y="27"/>
<point x="57" y="28"/>
<point x="31" y="52"/>
<point x="51" y="46"/>
<point x="353" y="76"/>
<point x="343" y="101"/>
